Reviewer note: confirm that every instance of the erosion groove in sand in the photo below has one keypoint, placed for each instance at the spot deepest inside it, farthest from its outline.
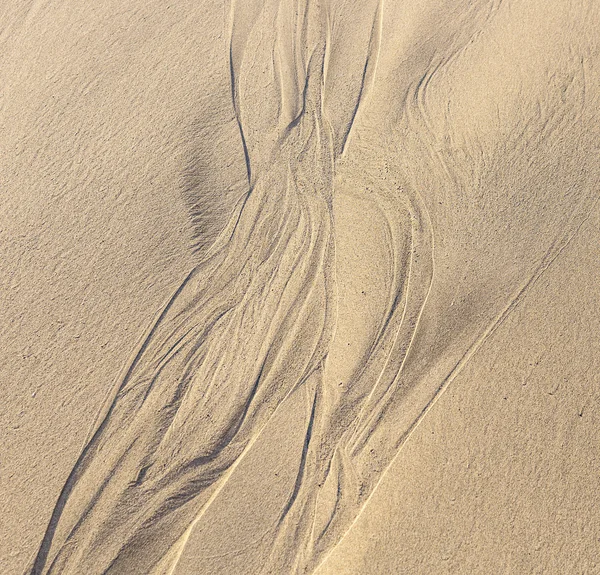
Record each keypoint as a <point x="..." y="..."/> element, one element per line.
<point x="378" y="241"/>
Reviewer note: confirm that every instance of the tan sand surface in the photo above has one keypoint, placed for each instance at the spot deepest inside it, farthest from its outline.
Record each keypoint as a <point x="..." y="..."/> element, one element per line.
<point x="297" y="287"/>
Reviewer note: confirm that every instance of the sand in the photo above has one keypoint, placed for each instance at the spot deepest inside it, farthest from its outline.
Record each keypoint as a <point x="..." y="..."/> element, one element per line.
<point x="299" y="287"/>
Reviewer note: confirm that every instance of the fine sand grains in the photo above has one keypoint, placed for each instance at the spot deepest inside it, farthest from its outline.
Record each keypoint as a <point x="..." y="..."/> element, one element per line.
<point x="370" y="191"/>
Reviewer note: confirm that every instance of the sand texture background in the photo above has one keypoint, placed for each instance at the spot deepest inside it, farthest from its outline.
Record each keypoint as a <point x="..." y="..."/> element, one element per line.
<point x="299" y="287"/>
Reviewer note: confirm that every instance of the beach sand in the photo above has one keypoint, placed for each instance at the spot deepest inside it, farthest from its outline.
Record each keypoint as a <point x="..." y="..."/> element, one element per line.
<point x="299" y="287"/>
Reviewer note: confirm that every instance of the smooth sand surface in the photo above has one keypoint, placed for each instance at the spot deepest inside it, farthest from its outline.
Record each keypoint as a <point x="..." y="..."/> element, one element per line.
<point x="299" y="287"/>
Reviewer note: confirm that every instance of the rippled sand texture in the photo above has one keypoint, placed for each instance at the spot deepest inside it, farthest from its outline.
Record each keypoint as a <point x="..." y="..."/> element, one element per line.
<point x="391" y="219"/>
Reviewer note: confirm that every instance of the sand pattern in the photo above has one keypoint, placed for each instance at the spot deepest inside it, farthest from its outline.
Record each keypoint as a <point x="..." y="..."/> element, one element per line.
<point x="268" y="312"/>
